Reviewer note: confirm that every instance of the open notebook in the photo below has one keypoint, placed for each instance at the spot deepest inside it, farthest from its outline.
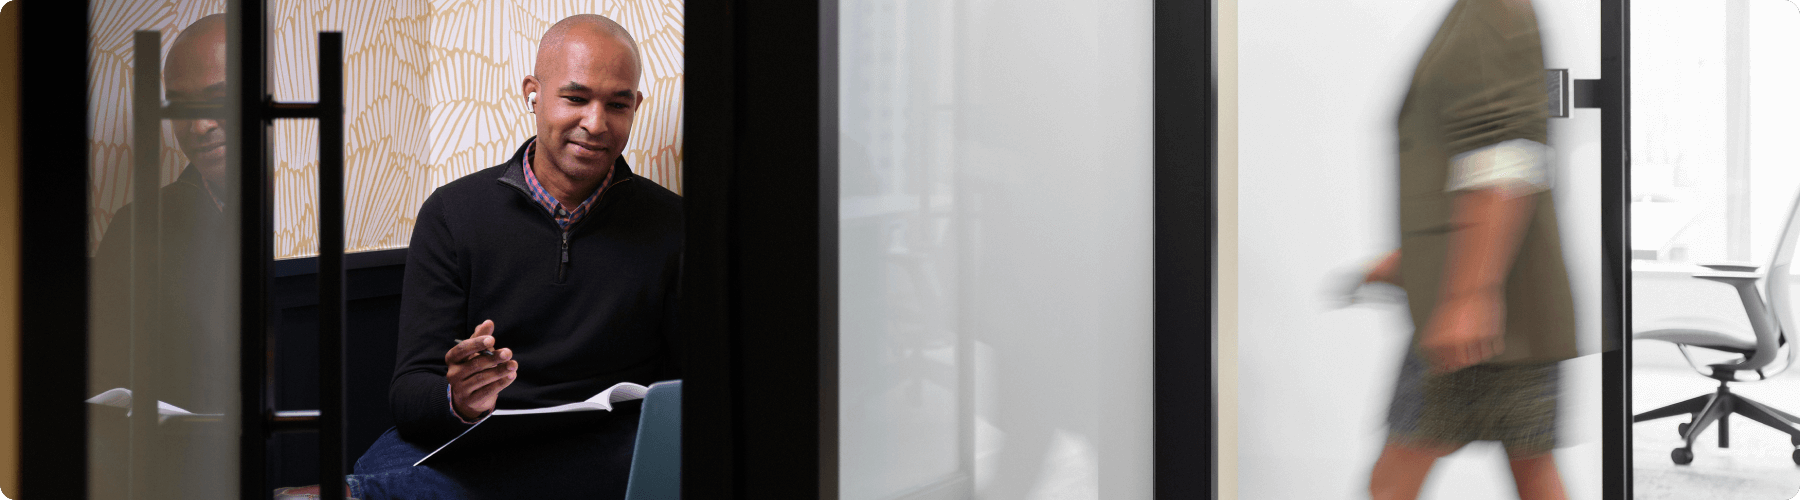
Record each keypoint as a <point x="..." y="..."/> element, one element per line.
<point x="501" y="422"/>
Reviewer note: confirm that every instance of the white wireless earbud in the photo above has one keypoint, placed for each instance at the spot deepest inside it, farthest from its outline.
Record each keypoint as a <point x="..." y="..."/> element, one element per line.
<point x="531" y="102"/>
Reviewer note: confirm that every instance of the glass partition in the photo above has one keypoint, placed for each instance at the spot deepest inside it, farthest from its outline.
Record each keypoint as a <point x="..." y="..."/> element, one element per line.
<point x="1314" y="190"/>
<point x="164" y="247"/>
<point x="995" y="272"/>
<point x="1713" y="184"/>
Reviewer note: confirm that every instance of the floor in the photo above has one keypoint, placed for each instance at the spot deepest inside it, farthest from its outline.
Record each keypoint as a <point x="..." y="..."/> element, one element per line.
<point x="1320" y="410"/>
<point x="1759" y="463"/>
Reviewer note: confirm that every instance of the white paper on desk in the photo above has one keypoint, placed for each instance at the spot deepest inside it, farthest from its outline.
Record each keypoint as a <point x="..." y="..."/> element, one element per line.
<point x="120" y="397"/>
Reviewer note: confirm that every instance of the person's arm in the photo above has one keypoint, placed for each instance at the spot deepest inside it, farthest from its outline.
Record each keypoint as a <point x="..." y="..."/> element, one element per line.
<point x="1468" y="322"/>
<point x="1495" y="116"/>
<point x="1386" y="270"/>
<point x="433" y="311"/>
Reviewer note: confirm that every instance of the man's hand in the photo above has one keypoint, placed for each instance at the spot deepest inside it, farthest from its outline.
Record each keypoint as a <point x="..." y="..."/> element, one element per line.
<point x="1464" y="331"/>
<point x="1387" y="270"/>
<point x="476" y="379"/>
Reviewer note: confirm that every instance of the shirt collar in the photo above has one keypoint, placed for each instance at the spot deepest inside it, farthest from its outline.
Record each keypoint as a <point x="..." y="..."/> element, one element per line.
<point x="564" y="218"/>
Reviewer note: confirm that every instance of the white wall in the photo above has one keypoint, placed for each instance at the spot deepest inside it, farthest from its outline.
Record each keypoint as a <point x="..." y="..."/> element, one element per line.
<point x="1319" y="89"/>
<point x="995" y="264"/>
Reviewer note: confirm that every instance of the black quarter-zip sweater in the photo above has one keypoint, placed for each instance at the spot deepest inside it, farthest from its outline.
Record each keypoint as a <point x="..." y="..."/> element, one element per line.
<point x="581" y="311"/>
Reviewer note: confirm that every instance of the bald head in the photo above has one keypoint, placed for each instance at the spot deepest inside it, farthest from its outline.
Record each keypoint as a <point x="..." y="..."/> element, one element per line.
<point x="195" y="72"/>
<point x="583" y="28"/>
<point x="198" y="42"/>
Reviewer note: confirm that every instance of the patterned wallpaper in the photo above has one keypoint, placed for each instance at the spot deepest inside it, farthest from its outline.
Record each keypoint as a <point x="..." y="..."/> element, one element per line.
<point x="431" y="95"/>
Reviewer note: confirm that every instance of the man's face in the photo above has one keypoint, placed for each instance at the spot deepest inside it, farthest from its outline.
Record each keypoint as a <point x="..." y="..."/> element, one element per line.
<point x="195" y="72"/>
<point x="587" y="96"/>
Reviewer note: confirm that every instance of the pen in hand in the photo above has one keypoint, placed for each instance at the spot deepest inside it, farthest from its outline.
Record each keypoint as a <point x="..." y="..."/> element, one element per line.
<point x="484" y="352"/>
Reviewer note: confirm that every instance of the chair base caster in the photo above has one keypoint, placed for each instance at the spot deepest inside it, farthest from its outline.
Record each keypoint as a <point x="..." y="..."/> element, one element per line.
<point x="1684" y="456"/>
<point x="1681" y="430"/>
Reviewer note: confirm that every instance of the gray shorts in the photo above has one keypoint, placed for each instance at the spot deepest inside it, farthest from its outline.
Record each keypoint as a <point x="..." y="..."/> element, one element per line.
<point x="1512" y="404"/>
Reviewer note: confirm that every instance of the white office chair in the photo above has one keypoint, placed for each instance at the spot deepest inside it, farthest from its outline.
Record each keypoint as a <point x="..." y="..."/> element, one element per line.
<point x="1770" y="321"/>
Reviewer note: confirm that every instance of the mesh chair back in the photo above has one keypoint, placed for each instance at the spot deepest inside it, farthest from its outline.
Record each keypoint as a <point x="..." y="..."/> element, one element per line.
<point x="1776" y="281"/>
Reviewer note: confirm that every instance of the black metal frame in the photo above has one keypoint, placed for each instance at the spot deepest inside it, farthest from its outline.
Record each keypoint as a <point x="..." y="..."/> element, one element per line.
<point x="760" y="274"/>
<point x="1186" y="254"/>
<point x="1615" y="209"/>
<point x="248" y="30"/>
<point x="53" y="314"/>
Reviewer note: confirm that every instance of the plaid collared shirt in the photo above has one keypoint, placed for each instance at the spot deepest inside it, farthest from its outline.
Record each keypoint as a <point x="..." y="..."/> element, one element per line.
<point x="564" y="218"/>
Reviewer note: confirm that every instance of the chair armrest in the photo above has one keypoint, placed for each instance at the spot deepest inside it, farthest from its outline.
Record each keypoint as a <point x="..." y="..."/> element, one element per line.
<point x="1731" y="266"/>
<point x="1730" y="277"/>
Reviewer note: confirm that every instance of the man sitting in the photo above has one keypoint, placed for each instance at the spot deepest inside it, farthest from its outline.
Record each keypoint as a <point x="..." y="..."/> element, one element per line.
<point x="563" y="263"/>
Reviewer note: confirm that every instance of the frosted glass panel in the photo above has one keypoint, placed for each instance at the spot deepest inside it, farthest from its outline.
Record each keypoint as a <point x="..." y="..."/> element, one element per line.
<point x="1319" y="91"/>
<point x="995" y="254"/>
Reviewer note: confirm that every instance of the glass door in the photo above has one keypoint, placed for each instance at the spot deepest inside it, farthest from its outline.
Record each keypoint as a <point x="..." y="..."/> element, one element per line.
<point x="1713" y="190"/>
<point x="164" y="413"/>
<point x="1311" y="362"/>
<point x="995" y="235"/>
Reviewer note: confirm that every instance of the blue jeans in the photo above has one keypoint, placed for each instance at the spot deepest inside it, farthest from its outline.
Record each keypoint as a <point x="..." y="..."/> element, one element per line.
<point x="569" y="463"/>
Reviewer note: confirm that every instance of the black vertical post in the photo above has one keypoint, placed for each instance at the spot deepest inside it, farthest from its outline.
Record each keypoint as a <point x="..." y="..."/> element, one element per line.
<point x="250" y="136"/>
<point x="1615" y="209"/>
<point x="53" y="308"/>
<point x="1186" y="167"/>
<point x="759" y="277"/>
<point x="332" y="419"/>
<point x="146" y="246"/>
<point x="826" y="206"/>
<point x="708" y="413"/>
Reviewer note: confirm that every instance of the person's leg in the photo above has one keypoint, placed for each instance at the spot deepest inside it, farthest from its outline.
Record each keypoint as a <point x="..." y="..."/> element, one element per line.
<point x="1401" y="470"/>
<point x="1537" y="478"/>
<point x="386" y="472"/>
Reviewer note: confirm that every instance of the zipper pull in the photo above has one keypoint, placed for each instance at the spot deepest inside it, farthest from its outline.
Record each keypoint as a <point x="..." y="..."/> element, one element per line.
<point x="565" y="247"/>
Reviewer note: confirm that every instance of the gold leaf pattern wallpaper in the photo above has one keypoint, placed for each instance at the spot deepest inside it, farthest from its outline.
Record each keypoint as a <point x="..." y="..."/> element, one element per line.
<point x="431" y="91"/>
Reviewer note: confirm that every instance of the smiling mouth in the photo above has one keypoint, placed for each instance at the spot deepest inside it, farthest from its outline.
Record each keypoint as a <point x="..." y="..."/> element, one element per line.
<point x="593" y="148"/>
<point x="208" y="148"/>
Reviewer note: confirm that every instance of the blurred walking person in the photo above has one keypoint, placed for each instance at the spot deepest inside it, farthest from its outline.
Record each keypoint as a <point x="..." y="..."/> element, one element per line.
<point x="1479" y="258"/>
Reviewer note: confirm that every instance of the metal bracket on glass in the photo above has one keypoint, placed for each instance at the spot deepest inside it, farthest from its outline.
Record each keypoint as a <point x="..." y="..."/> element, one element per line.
<point x="1587" y="94"/>
<point x="1565" y="94"/>
<point x="1556" y="83"/>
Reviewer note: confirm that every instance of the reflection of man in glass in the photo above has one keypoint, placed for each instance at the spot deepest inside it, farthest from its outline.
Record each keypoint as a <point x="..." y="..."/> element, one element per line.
<point x="196" y="242"/>
<point x="1480" y="257"/>
<point x="189" y="337"/>
<point x="195" y="72"/>
<point x="563" y="263"/>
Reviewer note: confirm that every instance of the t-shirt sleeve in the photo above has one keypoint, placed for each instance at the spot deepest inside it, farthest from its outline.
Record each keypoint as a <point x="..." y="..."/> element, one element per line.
<point x="1518" y="167"/>
<point x="1491" y="87"/>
